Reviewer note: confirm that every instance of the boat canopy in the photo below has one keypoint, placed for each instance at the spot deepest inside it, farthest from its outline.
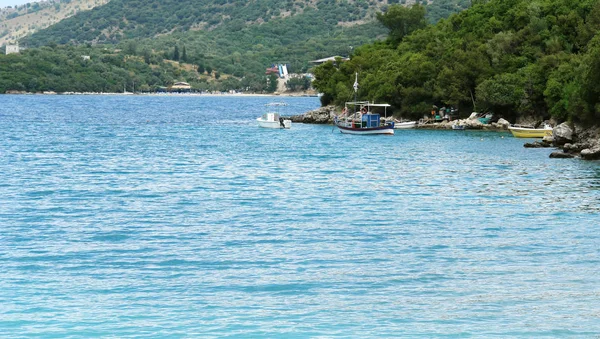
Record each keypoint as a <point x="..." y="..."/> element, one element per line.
<point x="368" y="104"/>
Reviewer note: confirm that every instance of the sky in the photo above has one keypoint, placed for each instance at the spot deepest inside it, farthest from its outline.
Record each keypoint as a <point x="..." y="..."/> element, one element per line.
<point x="6" y="3"/>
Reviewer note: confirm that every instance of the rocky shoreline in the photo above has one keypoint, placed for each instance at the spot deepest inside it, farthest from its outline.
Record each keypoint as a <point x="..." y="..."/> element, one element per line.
<point x="571" y="142"/>
<point x="577" y="142"/>
<point x="326" y="114"/>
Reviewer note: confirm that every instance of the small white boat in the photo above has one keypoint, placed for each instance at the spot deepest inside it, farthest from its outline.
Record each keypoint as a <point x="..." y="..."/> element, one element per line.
<point x="272" y="119"/>
<point x="405" y="124"/>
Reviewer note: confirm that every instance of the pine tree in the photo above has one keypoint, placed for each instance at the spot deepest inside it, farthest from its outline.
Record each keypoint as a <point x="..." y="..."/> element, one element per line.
<point x="184" y="55"/>
<point x="176" y="53"/>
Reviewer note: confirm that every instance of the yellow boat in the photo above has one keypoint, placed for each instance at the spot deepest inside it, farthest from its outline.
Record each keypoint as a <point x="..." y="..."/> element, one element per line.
<point x="530" y="132"/>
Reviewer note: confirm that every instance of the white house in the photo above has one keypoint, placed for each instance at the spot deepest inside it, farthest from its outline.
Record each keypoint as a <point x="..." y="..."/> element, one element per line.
<point x="12" y="49"/>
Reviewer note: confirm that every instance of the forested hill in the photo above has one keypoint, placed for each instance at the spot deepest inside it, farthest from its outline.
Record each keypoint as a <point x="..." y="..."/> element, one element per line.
<point x="233" y="36"/>
<point x="212" y="44"/>
<point x="139" y="19"/>
<point x="22" y="20"/>
<point x="512" y="57"/>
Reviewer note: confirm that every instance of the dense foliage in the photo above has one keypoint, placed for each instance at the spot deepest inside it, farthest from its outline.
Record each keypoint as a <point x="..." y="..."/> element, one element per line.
<point x="513" y="57"/>
<point x="232" y="36"/>
<point x="138" y="19"/>
<point x="68" y="69"/>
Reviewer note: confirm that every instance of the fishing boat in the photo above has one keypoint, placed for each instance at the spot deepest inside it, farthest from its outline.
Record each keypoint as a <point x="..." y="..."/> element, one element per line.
<point x="358" y="117"/>
<point x="521" y="131"/>
<point x="272" y="118"/>
<point x="405" y="124"/>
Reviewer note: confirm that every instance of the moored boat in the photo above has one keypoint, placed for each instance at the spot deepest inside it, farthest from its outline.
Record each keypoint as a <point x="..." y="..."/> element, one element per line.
<point x="363" y="120"/>
<point x="405" y="124"/>
<point x="272" y="119"/>
<point x="520" y="131"/>
<point x="359" y="119"/>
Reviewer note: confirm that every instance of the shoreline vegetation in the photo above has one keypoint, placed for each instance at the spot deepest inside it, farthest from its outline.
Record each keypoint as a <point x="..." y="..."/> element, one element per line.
<point x="215" y="93"/>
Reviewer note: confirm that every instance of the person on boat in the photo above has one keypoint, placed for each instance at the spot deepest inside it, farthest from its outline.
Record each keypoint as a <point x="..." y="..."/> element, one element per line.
<point x="363" y="110"/>
<point x="344" y="112"/>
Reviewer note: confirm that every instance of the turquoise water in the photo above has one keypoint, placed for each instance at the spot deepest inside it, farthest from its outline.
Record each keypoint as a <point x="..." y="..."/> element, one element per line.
<point x="128" y="216"/>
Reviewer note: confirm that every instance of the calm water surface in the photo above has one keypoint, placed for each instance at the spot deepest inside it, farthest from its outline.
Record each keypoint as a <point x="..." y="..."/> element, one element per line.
<point x="178" y="217"/>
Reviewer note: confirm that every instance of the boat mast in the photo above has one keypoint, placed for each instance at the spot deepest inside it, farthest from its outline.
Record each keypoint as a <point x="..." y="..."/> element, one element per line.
<point x="355" y="86"/>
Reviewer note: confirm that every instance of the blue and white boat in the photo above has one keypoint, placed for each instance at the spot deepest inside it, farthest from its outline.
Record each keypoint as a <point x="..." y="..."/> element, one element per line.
<point x="358" y="118"/>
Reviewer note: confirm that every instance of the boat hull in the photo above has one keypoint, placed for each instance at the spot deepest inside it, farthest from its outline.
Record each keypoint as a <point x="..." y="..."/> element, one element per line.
<point x="523" y="132"/>
<point x="405" y="125"/>
<point x="274" y="124"/>
<point x="367" y="131"/>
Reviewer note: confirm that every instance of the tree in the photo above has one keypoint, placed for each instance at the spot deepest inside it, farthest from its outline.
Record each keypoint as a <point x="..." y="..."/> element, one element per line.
<point x="176" y="53"/>
<point x="402" y="21"/>
<point x="184" y="57"/>
<point x="272" y="83"/>
<point x="147" y="56"/>
<point x="131" y="48"/>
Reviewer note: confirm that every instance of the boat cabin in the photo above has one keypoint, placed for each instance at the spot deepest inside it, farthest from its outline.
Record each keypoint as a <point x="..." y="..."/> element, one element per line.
<point x="270" y="116"/>
<point x="371" y="120"/>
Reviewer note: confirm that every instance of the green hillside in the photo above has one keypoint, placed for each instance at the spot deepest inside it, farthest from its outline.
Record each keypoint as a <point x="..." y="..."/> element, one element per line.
<point x="262" y="31"/>
<point x="201" y="43"/>
<point x="512" y="57"/>
<point x="139" y="19"/>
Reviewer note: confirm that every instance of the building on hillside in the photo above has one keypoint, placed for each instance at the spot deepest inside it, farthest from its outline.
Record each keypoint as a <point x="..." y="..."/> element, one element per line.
<point x="180" y="86"/>
<point x="281" y="70"/>
<point x="324" y="60"/>
<point x="12" y="49"/>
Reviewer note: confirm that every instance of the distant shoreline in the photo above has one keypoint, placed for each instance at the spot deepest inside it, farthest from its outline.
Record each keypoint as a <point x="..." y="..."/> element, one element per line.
<point x="297" y="94"/>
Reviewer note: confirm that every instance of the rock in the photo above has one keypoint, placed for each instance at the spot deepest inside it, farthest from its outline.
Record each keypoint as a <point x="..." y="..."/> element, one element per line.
<point x="446" y="124"/>
<point x="548" y="139"/>
<point x="503" y="123"/>
<point x="561" y="155"/>
<point x="473" y="123"/>
<point x="574" y="148"/>
<point x="322" y="115"/>
<point x="591" y="153"/>
<point x="537" y="144"/>
<point x="562" y="134"/>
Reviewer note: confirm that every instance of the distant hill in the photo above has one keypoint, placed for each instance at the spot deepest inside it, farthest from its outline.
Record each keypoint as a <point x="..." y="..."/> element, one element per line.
<point x="138" y="19"/>
<point x="259" y="32"/>
<point x="20" y="21"/>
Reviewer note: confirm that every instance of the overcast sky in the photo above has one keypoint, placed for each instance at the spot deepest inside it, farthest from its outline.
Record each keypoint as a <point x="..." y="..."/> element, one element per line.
<point x="6" y="3"/>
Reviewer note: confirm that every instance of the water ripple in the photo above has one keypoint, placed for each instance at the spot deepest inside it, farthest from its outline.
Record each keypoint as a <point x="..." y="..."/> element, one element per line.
<point x="178" y="217"/>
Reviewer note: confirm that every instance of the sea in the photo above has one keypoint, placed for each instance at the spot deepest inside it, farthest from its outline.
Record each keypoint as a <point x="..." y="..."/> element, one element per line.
<point x="178" y="217"/>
